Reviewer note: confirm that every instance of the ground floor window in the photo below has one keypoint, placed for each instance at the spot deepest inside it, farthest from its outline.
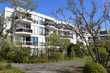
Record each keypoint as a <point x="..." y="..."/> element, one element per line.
<point x="34" y="40"/>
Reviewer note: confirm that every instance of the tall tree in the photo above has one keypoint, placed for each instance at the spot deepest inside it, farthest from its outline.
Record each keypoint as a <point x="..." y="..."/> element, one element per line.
<point x="87" y="21"/>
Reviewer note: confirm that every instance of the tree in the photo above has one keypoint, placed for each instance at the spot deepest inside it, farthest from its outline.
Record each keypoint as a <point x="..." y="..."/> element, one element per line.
<point x="85" y="21"/>
<point x="64" y="43"/>
<point x="75" y="50"/>
<point x="55" y="40"/>
<point x="57" y="46"/>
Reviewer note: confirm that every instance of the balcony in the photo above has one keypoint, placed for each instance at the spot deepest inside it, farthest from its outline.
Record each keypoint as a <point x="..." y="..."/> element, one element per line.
<point x="50" y="27"/>
<point x="24" y="31"/>
<point x="26" y="44"/>
<point x="23" y="19"/>
<point x="66" y="36"/>
<point x="20" y="16"/>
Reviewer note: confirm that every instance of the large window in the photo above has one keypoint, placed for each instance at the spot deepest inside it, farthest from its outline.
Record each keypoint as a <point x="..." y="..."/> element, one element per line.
<point x="34" y="40"/>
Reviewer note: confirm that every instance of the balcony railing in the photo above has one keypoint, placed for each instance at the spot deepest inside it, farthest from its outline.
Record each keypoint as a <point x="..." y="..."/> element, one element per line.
<point x="24" y="30"/>
<point x="23" y="15"/>
<point x="67" y="36"/>
<point x="26" y="43"/>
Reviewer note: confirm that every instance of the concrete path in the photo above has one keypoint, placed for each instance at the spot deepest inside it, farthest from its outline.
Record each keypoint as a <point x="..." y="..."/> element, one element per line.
<point x="61" y="67"/>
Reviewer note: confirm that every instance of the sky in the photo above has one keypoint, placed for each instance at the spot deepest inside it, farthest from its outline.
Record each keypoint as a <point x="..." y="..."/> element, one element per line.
<point x="48" y="7"/>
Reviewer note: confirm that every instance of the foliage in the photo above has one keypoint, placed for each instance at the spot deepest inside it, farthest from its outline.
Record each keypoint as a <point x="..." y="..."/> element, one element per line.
<point x="11" y="53"/>
<point x="94" y="68"/>
<point x="87" y="59"/>
<point x="105" y="43"/>
<point x="54" y="39"/>
<point x="103" y="55"/>
<point x="42" y="59"/>
<point x="69" y="50"/>
<point x="57" y="56"/>
<point x="19" y="55"/>
<point x="7" y="49"/>
<point x="65" y="43"/>
<point x="4" y="66"/>
<point x="102" y="50"/>
<point x="75" y="50"/>
<point x="86" y="23"/>
<point x="11" y="71"/>
<point x="7" y="68"/>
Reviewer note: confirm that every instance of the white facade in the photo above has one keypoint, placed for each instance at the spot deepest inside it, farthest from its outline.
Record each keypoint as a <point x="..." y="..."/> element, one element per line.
<point x="31" y="31"/>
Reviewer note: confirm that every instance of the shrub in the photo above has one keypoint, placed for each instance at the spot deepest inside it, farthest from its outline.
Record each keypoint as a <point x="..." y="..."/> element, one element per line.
<point x="87" y="59"/>
<point x="11" y="71"/>
<point x="42" y="59"/>
<point x="59" y="56"/>
<point x="94" y="68"/>
<point x="75" y="50"/>
<point x="11" y="53"/>
<point x="103" y="53"/>
<point x="56" y="56"/>
<point x="7" y="68"/>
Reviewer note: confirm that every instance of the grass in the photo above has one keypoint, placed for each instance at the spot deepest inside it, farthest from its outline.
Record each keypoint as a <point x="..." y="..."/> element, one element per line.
<point x="7" y="68"/>
<point x="11" y="71"/>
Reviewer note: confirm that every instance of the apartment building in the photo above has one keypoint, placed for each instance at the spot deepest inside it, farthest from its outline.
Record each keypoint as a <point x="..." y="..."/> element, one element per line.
<point x="102" y="35"/>
<point x="30" y="29"/>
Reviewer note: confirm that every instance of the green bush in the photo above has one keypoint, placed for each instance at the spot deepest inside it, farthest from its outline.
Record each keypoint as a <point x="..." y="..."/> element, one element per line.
<point x="59" y="56"/>
<point x="4" y="65"/>
<point x="7" y="68"/>
<point x="103" y="53"/>
<point x="38" y="59"/>
<point x="102" y="50"/>
<point x="42" y="59"/>
<point x="75" y="50"/>
<point x="19" y="55"/>
<point x="94" y="68"/>
<point x="11" y="53"/>
<point x="87" y="59"/>
<point x="56" y="56"/>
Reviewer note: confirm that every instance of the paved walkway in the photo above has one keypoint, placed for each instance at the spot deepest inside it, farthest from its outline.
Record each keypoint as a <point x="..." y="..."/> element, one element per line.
<point x="61" y="67"/>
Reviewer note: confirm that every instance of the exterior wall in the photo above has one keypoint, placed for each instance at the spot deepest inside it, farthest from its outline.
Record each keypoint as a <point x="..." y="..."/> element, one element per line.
<point x="7" y="14"/>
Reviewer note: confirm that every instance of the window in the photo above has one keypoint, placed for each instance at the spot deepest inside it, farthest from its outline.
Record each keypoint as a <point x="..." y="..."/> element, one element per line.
<point x="41" y="22"/>
<point x="41" y="31"/>
<point x="34" y="40"/>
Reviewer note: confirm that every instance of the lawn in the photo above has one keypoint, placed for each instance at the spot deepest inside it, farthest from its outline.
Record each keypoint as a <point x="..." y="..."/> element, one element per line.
<point x="7" y="68"/>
